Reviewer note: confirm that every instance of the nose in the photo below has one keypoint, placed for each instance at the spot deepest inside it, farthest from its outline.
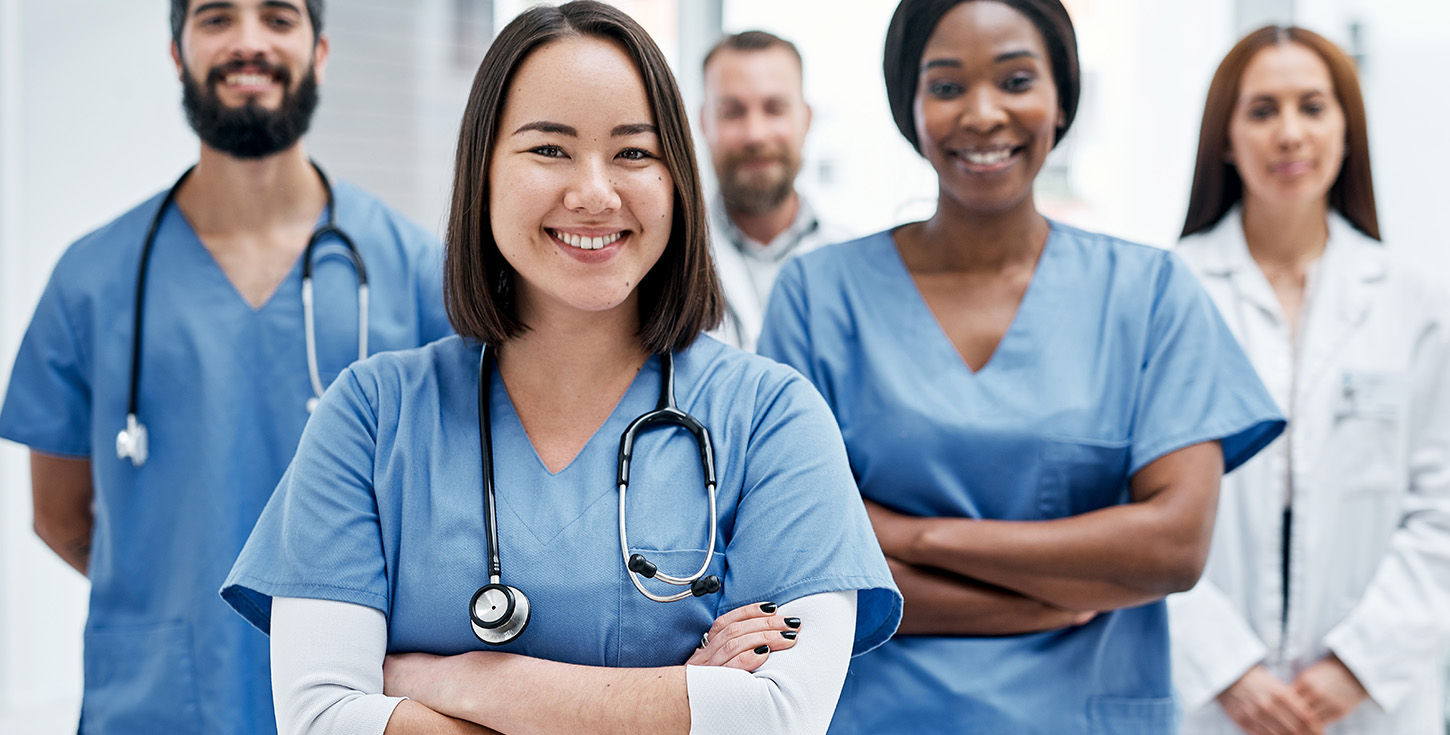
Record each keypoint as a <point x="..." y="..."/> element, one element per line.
<point x="982" y="112"/>
<point x="591" y="190"/>
<point x="1291" y="131"/>
<point x="249" y="40"/>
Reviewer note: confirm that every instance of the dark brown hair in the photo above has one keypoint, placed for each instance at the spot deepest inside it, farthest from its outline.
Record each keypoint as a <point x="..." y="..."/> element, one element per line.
<point x="1216" y="183"/>
<point x="680" y="296"/>
<point x="752" y="41"/>
<point x="912" y="25"/>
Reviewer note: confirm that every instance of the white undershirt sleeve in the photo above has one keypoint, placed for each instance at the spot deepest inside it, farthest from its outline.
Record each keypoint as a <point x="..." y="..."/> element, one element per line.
<point x="327" y="672"/>
<point x="795" y="691"/>
<point x="327" y="668"/>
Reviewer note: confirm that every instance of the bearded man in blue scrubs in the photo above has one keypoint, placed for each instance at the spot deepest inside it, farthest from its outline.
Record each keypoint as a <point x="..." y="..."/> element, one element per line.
<point x="222" y="380"/>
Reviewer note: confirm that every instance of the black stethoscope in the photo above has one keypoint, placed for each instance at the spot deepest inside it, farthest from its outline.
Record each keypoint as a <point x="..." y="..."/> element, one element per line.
<point x="500" y="613"/>
<point x="132" y="442"/>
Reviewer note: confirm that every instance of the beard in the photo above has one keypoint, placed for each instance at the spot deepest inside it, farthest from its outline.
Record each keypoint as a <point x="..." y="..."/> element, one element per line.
<point x="249" y="131"/>
<point x="757" y="192"/>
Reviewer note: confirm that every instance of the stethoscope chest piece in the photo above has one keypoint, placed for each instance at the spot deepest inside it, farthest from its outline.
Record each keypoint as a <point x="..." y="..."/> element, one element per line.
<point x="499" y="613"/>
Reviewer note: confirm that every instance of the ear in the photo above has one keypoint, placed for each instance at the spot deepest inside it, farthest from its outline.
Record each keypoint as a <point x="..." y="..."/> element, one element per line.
<point x="809" y="114"/>
<point x="176" y="59"/>
<point x="704" y="121"/>
<point x="319" y="57"/>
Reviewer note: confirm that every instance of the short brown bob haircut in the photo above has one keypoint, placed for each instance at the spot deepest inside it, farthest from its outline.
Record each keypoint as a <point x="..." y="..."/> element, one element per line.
<point x="680" y="297"/>
<point x="1216" y="183"/>
<point x="915" y="20"/>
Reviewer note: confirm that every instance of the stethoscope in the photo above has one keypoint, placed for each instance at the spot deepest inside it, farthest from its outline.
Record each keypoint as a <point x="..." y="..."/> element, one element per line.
<point x="131" y="442"/>
<point x="499" y="613"/>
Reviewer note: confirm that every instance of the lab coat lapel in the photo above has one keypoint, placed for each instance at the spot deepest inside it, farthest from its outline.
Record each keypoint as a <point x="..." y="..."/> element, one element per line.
<point x="1227" y="257"/>
<point x="1352" y="271"/>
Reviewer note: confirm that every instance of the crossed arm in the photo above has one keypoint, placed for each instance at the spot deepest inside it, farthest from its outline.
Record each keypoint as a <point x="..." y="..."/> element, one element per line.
<point x="963" y="576"/>
<point x="330" y="675"/>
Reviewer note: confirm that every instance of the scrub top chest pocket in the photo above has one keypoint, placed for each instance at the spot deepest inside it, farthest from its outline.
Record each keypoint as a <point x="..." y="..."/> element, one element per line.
<point x="1080" y="476"/>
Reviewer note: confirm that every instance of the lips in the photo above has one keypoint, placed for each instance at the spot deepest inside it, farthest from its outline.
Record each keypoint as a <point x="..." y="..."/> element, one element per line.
<point x="1291" y="168"/>
<point x="587" y="241"/>
<point x="257" y="74"/>
<point x="987" y="158"/>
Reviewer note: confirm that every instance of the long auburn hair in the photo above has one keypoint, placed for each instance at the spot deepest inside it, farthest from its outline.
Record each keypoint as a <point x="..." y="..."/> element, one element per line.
<point x="1216" y="183"/>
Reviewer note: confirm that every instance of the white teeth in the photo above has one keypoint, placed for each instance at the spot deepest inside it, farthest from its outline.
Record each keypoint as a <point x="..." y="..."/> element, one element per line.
<point x="587" y="243"/>
<point x="249" y="80"/>
<point x="987" y="158"/>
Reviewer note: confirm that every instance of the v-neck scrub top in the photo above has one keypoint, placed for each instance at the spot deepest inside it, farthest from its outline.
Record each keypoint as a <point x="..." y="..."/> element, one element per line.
<point x="383" y="507"/>
<point x="1115" y="358"/>
<point x="223" y="394"/>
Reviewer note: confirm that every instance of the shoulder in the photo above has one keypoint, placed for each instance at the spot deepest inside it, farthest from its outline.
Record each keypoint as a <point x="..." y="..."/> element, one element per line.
<point x="744" y="379"/>
<point x="1096" y="254"/>
<point x="399" y="376"/>
<point x="118" y="240"/>
<point x="1208" y="250"/>
<point x="842" y="258"/>
<point x="372" y="217"/>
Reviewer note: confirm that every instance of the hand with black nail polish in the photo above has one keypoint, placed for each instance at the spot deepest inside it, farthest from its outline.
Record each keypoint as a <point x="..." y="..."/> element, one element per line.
<point x="745" y="637"/>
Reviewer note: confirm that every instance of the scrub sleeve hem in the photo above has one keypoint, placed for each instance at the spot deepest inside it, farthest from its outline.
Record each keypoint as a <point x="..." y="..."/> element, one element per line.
<point x="875" y="622"/>
<point x="48" y="445"/>
<point x="1258" y="433"/>
<point x="252" y="597"/>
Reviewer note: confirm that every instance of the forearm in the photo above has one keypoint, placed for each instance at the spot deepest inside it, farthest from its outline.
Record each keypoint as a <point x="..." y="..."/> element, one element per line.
<point x="520" y="695"/>
<point x="411" y="718"/>
<point x="941" y="603"/>
<point x="1107" y="559"/>
<point x="61" y="491"/>
<point x="1119" y="556"/>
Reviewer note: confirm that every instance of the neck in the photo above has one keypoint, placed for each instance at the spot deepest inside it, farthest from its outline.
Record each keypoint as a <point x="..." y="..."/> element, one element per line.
<point x="764" y="227"/>
<point x="567" y="355"/>
<point x="953" y="240"/>
<point x="229" y="195"/>
<point x="1286" y="236"/>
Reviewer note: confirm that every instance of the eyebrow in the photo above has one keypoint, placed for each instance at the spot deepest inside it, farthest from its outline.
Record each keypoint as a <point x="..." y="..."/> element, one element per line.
<point x="956" y="63"/>
<point x="619" y="131"/>
<point x="227" y="5"/>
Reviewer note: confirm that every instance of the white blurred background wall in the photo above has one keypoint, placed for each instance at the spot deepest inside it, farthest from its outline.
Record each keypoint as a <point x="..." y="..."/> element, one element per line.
<point x="90" y="124"/>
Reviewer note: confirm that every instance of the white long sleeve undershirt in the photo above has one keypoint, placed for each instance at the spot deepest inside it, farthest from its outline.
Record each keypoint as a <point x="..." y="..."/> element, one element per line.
<point x="327" y="672"/>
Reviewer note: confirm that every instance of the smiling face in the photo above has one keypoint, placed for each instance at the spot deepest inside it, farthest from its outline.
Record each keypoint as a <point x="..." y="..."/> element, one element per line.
<point x="755" y="120"/>
<point x="1287" y="132"/>
<point x="986" y="107"/>
<point x="579" y="196"/>
<point x="249" y="70"/>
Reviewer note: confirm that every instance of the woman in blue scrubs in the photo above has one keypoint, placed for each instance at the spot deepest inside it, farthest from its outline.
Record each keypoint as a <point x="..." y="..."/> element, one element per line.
<point x="577" y="253"/>
<point x="1038" y="416"/>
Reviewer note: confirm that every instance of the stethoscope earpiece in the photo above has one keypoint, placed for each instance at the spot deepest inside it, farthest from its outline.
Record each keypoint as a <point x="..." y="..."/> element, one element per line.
<point x="498" y="613"/>
<point x="705" y="586"/>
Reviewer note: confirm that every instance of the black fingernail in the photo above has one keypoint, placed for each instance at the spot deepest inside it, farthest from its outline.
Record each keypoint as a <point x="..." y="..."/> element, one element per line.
<point x="788" y="634"/>
<point x="767" y="607"/>
<point x="792" y="622"/>
<point x="763" y="650"/>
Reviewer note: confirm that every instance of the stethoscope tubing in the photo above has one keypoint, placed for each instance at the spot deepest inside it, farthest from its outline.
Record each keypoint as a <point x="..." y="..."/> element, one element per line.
<point x="132" y="441"/>
<point x="666" y="412"/>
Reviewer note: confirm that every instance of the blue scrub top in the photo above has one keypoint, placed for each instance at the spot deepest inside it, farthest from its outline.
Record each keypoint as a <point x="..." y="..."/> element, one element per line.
<point x="223" y="393"/>
<point x="383" y="507"/>
<point x="1115" y="358"/>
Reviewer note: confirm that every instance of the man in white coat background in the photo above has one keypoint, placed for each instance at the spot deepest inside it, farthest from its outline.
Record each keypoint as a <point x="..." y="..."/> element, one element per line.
<point x="755" y="120"/>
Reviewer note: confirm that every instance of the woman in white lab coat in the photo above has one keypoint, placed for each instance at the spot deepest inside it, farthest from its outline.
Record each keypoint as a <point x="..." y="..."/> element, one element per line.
<point x="1325" y="605"/>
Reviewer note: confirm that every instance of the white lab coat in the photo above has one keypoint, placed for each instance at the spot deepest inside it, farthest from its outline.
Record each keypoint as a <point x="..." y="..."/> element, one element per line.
<point x="1368" y="448"/>
<point x="748" y="269"/>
